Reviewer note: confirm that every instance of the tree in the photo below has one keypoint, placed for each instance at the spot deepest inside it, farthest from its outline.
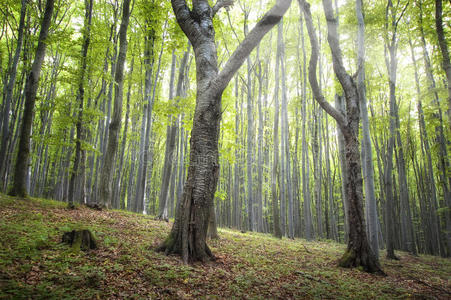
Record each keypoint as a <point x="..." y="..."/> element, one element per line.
<point x="358" y="252"/>
<point x="446" y="63"/>
<point x="115" y="125"/>
<point x="31" y="87"/>
<point x="188" y="235"/>
<point x="76" y="172"/>
<point x="5" y="134"/>
<point x="367" y="157"/>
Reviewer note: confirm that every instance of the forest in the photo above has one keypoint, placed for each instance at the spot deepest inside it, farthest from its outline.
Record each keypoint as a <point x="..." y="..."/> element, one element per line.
<point x="188" y="131"/>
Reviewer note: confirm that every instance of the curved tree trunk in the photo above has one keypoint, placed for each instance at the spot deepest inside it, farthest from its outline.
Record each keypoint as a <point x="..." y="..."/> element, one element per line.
<point x="358" y="252"/>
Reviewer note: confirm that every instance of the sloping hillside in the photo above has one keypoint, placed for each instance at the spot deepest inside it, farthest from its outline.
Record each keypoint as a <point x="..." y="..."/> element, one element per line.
<point x="34" y="264"/>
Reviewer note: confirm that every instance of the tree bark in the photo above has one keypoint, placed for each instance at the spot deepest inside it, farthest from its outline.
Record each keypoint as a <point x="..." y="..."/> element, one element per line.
<point x="115" y="125"/>
<point x="188" y="235"/>
<point x="76" y="171"/>
<point x="446" y="63"/>
<point x="5" y="133"/>
<point x="358" y="252"/>
<point x="20" y="174"/>
<point x="170" y="141"/>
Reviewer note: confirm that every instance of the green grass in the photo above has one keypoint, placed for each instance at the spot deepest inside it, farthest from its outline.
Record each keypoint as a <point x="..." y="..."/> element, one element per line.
<point x="34" y="264"/>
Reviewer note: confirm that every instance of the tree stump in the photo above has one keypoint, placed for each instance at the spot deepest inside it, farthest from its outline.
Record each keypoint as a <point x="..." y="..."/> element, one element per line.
<point x="80" y="240"/>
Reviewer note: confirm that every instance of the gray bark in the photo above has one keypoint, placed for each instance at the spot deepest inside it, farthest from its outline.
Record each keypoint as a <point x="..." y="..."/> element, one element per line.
<point x="367" y="158"/>
<point x="358" y="252"/>
<point x="77" y="172"/>
<point x="5" y="133"/>
<point x="19" y="186"/>
<point x="115" y="125"/>
<point x="188" y="235"/>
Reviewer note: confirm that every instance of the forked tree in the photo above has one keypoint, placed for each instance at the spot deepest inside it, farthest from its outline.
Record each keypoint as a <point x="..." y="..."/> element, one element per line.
<point x="189" y="232"/>
<point x="358" y="252"/>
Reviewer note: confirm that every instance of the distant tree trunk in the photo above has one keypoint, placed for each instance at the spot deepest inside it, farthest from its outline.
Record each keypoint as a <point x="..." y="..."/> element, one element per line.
<point x="250" y="136"/>
<point x="189" y="232"/>
<point x="141" y="183"/>
<point x="406" y="216"/>
<point x="392" y="64"/>
<point x="237" y="171"/>
<point x="446" y="63"/>
<point x="171" y="135"/>
<point x="170" y="145"/>
<point x="330" y="194"/>
<point x="308" y="224"/>
<point x="286" y="144"/>
<point x="443" y="152"/>
<point x="430" y="239"/>
<point x="371" y="206"/>
<point x="118" y="180"/>
<point x="260" y="146"/>
<point x="5" y="133"/>
<point x="359" y="252"/>
<point x="115" y="125"/>
<point x="80" y="99"/>
<point x="275" y="168"/>
<point x="20" y="175"/>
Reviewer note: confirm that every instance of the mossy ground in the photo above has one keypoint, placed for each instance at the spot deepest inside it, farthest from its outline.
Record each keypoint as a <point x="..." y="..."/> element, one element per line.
<point x="35" y="264"/>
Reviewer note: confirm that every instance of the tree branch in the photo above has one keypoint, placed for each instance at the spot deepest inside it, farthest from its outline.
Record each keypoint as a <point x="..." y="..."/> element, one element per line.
<point x="269" y="20"/>
<point x="337" y="115"/>
<point x="220" y="4"/>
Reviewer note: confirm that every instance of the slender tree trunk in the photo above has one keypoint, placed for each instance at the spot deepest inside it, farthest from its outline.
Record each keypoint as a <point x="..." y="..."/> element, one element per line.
<point x="5" y="133"/>
<point x="250" y="137"/>
<point x="275" y="169"/>
<point x="367" y="158"/>
<point x="446" y="63"/>
<point x="115" y="125"/>
<point x="171" y="135"/>
<point x="286" y="143"/>
<point x="20" y="175"/>
<point x="308" y="224"/>
<point x="118" y="181"/>
<point x="76" y="171"/>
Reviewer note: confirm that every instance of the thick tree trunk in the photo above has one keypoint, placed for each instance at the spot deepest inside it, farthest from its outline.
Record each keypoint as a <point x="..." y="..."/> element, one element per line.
<point x="189" y="232"/>
<point x="20" y="175"/>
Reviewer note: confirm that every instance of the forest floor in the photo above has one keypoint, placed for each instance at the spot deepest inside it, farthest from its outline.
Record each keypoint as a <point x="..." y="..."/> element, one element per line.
<point x="34" y="264"/>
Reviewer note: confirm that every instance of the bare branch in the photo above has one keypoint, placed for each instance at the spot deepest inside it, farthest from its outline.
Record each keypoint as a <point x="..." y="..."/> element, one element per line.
<point x="269" y="20"/>
<point x="220" y="4"/>
<point x="337" y="115"/>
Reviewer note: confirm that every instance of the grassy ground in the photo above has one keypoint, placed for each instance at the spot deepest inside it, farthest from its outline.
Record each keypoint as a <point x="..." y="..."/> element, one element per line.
<point x="34" y="264"/>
